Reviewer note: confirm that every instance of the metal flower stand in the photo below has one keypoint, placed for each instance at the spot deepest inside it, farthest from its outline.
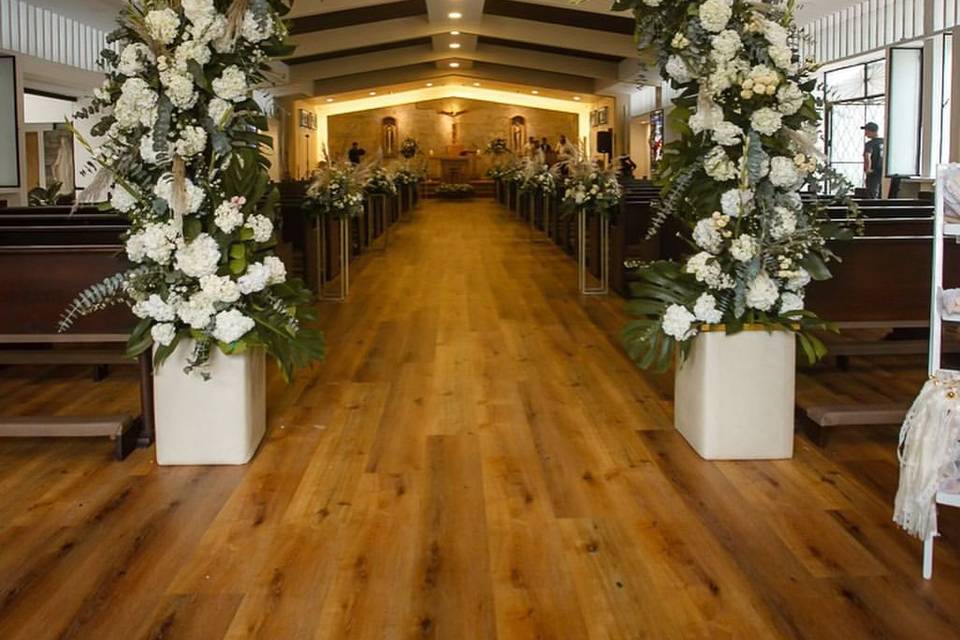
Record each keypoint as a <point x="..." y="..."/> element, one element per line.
<point x="377" y="218"/>
<point x="320" y="237"/>
<point x="582" y="272"/>
<point x="532" y="210"/>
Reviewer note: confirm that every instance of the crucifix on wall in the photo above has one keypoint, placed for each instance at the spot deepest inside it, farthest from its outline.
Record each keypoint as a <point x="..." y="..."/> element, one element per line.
<point x="455" y="126"/>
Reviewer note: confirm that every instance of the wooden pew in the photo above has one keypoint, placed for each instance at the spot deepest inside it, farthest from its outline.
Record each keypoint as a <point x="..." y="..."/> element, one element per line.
<point x="42" y="267"/>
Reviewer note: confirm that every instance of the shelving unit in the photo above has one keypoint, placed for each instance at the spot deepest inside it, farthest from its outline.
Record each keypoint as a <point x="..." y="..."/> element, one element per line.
<point x="941" y="230"/>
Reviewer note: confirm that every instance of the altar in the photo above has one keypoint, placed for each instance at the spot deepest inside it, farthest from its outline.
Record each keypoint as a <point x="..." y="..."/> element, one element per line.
<point x="454" y="168"/>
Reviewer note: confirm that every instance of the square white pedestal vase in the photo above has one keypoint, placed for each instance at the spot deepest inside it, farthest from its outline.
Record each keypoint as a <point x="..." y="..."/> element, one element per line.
<point x="734" y="395"/>
<point x="215" y="421"/>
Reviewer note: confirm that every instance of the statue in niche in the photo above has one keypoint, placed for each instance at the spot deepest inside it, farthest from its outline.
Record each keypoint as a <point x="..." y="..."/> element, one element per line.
<point x="518" y="134"/>
<point x="454" y="126"/>
<point x="389" y="137"/>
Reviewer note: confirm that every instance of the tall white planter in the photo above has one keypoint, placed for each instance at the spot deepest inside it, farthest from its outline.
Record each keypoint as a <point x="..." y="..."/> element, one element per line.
<point x="734" y="395"/>
<point x="215" y="421"/>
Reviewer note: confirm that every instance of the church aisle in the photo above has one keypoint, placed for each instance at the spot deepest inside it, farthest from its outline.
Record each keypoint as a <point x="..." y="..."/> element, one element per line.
<point x="476" y="459"/>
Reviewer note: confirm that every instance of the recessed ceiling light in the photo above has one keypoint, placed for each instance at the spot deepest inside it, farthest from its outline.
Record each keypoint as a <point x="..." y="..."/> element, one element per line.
<point x="535" y="92"/>
<point x="476" y="84"/>
<point x="454" y="45"/>
<point x="429" y="84"/>
<point x="454" y="65"/>
<point x="373" y="93"/>
<point x="454" y="15"/>
<point x="454" y="33"/>
<point x="329" y="99"/>
<point x="577" y="98"/>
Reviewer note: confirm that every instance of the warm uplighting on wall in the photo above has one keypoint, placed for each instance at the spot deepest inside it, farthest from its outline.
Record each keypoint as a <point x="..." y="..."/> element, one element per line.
<point x="454" y="15"/>
<point x="454" y="65"/>
<point x="454" y="45"/>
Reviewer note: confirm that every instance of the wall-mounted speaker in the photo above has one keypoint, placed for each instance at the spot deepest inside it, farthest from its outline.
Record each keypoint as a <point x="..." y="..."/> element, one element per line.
<point x="605" y="141"/>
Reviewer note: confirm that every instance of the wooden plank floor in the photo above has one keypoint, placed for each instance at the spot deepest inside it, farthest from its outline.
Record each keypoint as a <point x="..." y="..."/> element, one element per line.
<point x="476" y="459"/>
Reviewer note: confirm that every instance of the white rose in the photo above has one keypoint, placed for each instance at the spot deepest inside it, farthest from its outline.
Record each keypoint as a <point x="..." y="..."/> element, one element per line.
<point x="762" y="292"/>
<point x="727" y="134"/>
<point x="790" y="301"/>
<point x="163" y="333"/>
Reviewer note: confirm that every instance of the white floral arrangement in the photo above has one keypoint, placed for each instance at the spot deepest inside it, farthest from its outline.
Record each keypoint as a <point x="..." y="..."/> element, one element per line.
<point x="748" y="143"/>
<point x="337" y="190"/>
<point x="380" y="181"/>
<point x="181" y="158"/>
<point x="591" y="189"/>
<point x="537" y="178"/>
<point x="409" y="148"/>
<point x="497" y="147"/>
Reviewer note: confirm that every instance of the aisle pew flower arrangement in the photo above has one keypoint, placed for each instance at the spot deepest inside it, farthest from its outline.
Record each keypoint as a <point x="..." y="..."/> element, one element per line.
<point x="497" y="147"/>
<point x="589" y="188"/>
<point x="180" y="156"/>
<point x="537" y="178"/>
<point x="747" y="124"/>
<point x="380" y="182"/>
<point x="337" y="190"/>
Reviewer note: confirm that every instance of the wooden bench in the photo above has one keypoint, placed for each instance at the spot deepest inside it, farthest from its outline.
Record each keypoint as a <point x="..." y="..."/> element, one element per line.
<point x="40" y="273"/>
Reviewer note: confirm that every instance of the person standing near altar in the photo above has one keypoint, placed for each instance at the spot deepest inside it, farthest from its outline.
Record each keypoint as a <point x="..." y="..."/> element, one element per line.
<point x="356" y="153"/>
<point x="566" y="152"/>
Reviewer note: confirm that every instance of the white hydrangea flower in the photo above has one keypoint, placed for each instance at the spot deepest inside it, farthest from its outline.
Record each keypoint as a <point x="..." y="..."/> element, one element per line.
<point x="763" y="75"/>
<point x="774" y="32"/>
<point x="782" y="56"/>
<point x="231" y="85"/>
<point x="791" y="200"/>
<point x="784" y="223"/>
<point x="134" y="59"/>
<point x="677" y="322"/>
<point x="276" y="269"/>
<point x="228" y="215"/>
<point x="762" y="292"/>
<point x="784" y="173"/>
<point x="715" y="14"/>
<point x="121" y="199"/>
<point x="195" y="50"/>
<point x="220" y="112"/>
<point x="196" y="311"/>
<point x="677" y="69"/>
<point x="200" y="257"/>
<point x="735" y="202"/>
<point x="726" y="45"/>
<point x="163" y="25"/>
<point x="256" y="278"/>
<point x="705" y="309"/>
<point x="799" y="279"/>
<point x="163" y="333"/>
<point x="766" y="121"/>
<point x="256" y="29"/>
<point x="727" y="134"/>
<point x="706" y="118"/>
<point x="719" y="166"/>
<point x="147" y="153"/>
<point x="262" y="227"/>
<point x="744" y="248"/>
<point x="156" y="308"/>
<point x="136" y="105"/>
<point x="231" y="325"/>
<point x="155" y="241"/>
<point x="195" y="194"/>
<point x="705" y="269"/>
<point x="180" y="88"/>
<point x="790" y="99"/>
<point x="790" y="301"/>
<point x="707" y="236"/>
<point x="219" y="288"/>
<point x="198" y="10"/>
<point x="193" y="140"/>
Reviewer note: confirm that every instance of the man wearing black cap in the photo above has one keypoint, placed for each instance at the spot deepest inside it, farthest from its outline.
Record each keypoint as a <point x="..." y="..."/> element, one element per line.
<point x="873" y="159"/>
